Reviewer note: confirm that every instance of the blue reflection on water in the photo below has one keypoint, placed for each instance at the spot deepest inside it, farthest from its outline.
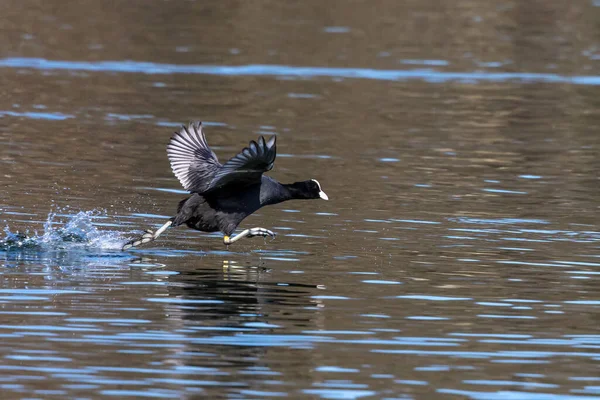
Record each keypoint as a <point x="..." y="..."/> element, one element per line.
<point x="37" y="115"/>
<point x="503" y="395"/>
<point x="293" y="71"/>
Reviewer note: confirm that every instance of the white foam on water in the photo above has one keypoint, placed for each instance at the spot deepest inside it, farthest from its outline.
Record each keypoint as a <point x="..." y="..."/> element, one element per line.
<point x="77" y="232"/>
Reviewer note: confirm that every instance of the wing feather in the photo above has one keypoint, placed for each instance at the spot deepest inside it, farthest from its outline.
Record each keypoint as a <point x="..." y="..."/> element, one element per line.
<point x="248" y="166"/>
<point x="199" y="171"/>
<point x="192" y="160"/>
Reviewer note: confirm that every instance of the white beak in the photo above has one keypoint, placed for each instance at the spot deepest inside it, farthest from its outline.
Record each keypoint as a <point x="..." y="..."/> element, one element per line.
<point x="323" y="195"/>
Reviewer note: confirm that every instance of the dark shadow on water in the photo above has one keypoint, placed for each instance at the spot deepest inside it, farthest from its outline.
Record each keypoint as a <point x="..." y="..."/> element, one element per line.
<point x="239" y="312"/>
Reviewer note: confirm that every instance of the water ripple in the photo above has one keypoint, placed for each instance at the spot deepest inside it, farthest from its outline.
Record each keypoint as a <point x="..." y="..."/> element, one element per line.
<point x="294" y="71"/>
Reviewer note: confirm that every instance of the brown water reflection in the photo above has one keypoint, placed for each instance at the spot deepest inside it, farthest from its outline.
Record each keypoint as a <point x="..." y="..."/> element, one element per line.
<point x="458" y="257"/>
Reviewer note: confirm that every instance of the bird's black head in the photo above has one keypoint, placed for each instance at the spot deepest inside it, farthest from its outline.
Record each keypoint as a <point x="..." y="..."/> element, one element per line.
<point x="310" y="189"/>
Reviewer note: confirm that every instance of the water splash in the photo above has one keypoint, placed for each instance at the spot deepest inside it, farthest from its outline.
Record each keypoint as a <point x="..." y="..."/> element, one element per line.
<point x="78" y="232"/>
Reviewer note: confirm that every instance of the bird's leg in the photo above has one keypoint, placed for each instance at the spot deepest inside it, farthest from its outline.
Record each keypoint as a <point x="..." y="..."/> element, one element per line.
<point x="248" y="233"/>
<point x="148" y="236"/>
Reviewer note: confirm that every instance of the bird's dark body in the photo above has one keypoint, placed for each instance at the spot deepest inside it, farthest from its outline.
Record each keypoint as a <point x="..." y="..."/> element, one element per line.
<point x="223" y="210"/>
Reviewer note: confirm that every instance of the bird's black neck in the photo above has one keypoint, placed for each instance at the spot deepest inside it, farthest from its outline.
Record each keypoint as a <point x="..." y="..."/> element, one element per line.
<point x="295" y="190"/>
<point x="273" y="192"/>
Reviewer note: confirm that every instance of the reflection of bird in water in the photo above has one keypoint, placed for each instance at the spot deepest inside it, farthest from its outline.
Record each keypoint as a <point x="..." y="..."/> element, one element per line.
<point x="241" y="289"/>
<point x="223" y="195"/>
<point x="240" y="302"/>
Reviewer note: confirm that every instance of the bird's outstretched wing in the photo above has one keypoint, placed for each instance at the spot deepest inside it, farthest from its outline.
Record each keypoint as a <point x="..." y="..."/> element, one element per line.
<point x="199" y="171"/>
<point x="192" y="160"/>
<point x="248" y="166"/>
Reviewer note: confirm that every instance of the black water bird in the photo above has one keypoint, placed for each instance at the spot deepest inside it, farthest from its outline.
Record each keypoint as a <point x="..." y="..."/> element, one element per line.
<point x="224" y="194"/>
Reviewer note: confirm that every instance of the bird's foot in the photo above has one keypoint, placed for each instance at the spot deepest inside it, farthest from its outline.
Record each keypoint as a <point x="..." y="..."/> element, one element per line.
<point x="148" y="236"/>
<point x="260" y="232"/>
<point x="248" y="233"/>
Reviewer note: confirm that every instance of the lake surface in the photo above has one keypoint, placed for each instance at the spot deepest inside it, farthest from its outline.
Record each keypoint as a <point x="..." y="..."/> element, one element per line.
<point x="458" y="256"/>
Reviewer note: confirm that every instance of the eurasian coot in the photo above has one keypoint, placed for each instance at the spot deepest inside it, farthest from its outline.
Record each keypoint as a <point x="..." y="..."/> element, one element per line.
<point x="223" y="195"/>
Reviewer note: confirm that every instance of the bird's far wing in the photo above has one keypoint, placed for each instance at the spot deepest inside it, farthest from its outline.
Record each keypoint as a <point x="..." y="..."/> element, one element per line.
<point x="248" y="166"/>
<point x="192" y="160"/>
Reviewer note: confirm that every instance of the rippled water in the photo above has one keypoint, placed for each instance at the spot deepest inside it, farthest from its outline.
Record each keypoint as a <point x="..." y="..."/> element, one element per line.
<point x="458" y="256"/>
